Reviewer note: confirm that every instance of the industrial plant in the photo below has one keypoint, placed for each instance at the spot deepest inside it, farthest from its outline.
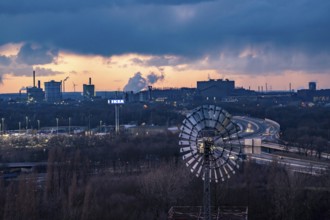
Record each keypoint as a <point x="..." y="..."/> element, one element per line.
<point x="212" y="90"/>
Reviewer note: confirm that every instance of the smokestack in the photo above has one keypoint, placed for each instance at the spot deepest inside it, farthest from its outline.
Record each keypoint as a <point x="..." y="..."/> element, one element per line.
<point x="149" y="92"/>
<point x="38" y="84"/>
<point x="90" y="81"/>
<point x="290" y="87"/>
<point x="34" y="78"/>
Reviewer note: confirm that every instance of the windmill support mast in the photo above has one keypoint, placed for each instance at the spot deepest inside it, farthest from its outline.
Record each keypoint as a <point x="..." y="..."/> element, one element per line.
<point x="207" y="194"/>
<point x="116" y="102"/>
<point x="117" y="119"/>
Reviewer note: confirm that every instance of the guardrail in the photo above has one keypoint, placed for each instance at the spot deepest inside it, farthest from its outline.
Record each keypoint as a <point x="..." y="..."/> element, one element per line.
<point x="273" y="122"/>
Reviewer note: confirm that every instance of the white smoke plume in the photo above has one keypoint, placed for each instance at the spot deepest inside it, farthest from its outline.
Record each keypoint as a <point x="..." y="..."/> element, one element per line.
<point x="138" y="82"/>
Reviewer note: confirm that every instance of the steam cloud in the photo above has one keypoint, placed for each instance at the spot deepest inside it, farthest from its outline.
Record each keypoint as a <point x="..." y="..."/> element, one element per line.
<point x="153" y="78"/>
<point x="138" y="82"/>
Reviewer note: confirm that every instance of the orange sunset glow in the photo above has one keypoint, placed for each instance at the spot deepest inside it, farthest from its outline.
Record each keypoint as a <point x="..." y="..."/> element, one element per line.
<point x="112" y="73"/>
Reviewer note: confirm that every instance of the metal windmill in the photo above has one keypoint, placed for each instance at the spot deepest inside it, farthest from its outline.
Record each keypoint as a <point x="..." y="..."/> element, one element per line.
<point x="210" y="147"/>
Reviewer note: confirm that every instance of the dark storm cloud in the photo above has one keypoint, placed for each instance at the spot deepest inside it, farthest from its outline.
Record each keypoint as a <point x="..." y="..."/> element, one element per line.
<point x="29" y="55"/>
<point x="4" y="60"/>
<point x="36" y="6"/>
<point x="212" y="29"/>
<point x="35" y="54"/>
<point x="159" y="61"/>
<point x="26" y="70"/>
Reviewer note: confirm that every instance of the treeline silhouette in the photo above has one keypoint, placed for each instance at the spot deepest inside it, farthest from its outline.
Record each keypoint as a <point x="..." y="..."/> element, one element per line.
<point x="88" y="114"/>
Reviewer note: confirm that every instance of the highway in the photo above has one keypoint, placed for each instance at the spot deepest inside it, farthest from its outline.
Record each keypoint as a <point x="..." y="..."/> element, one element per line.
<point x="265" y="129"/>
<point x="293" y="164"/>
<point x="268" y="131"/>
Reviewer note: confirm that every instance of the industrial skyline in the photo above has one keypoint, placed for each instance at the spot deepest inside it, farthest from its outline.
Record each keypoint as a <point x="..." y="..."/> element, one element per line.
<point x="139" y="83"/>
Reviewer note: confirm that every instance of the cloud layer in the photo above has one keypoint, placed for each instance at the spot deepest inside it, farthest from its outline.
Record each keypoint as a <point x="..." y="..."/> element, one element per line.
<point x="254" y="37"/>
<point x="27" y="59"/>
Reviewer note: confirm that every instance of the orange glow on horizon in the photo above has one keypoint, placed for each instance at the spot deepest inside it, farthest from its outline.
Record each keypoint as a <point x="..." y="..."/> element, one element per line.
<point x="112" y="74"/>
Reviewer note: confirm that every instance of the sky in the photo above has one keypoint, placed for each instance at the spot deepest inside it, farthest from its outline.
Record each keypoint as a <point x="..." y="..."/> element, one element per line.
<point x="130" y="44"/>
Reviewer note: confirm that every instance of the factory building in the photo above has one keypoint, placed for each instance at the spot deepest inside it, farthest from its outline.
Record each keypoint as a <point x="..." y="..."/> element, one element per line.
<point x="165" y="95"/>
<point x="312" y="86"/>
<point x="215" y="89"/>
<point x="53" y="91"/>
<point x="88" y="90"/>
<point x="313" y="95"/>
<point x="35" y="94"/>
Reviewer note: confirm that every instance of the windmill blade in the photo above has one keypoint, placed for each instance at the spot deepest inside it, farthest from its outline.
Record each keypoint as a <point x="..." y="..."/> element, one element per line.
<point x="184" y="136"/>
<point x="198" y="164"/>
<point x="230" y="168"/>
<point x="221" y="174"/>
<point x="226" y="172"/>
<point x="233" y="162"/>
<point x="215" y="175"/>
<point x="188" y="124"/>
<point x="189" y="162"/>
<point x="199" y="171"/>
<point x="185" y="149"/>
<point x="190" y="154"/>
<point x="185" y="142"/>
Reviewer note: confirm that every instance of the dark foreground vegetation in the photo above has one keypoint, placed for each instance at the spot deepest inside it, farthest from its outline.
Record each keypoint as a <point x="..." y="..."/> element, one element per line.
<point x="141" y="178"/>
<point x="106" y="177"/>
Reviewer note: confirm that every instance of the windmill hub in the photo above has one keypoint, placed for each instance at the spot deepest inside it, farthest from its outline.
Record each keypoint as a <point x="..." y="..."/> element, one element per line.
<point x="208" y="143"/>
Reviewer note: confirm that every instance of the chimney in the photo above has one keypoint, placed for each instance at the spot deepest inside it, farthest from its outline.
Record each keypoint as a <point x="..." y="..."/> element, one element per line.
<point x="149" y="92"/>
<point x="90" y="81"/>
<point x="289" y="87"/>
<point x="34" y="78"/>
<point x="38" y="84"/>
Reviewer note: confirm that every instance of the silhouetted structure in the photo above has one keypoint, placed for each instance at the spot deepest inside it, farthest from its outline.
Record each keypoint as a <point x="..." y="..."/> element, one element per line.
<point x="312" y="86"/>
<point x="35" y="94"/>
<point x="215" y="89"/>
<point x="89" y="90"/>
<point x="53" y="91"/>
<point x="313" y="95"/>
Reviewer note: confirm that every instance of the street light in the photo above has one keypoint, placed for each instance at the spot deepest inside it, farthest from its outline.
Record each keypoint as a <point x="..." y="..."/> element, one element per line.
<point x="19" y="127"/>
<point x="69" y="125"/>
<point x="3" y="125"/>
<point x="100" y="126"/>
<point x="26" y="122"/>
<point x="38" y="124"/>
<point x="56" y="126"/>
